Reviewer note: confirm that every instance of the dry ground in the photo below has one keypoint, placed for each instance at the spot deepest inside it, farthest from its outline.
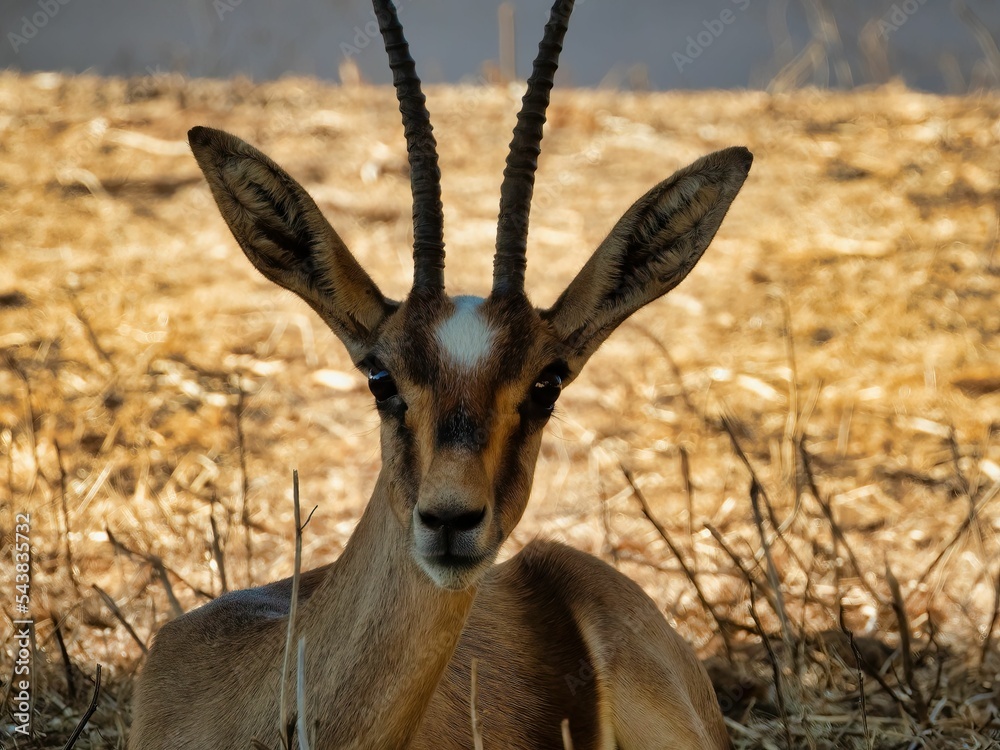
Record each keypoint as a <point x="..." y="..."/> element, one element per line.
<point x="156" y="392"/>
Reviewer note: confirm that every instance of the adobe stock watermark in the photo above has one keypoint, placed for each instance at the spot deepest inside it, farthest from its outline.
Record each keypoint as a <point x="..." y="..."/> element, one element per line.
<point x="714" y="28"/>
<point x="222" y="7"/>
<point x="898" y="15"/>
<point x="20" y="685"/>
<point x="31" y="25"/>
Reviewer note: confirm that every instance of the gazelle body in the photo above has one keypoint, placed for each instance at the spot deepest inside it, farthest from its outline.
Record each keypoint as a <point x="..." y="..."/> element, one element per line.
<point x="464" y="387"/>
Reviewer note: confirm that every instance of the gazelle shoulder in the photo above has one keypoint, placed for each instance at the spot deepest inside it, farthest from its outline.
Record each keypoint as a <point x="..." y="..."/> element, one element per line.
<point x="588" y="582"/>
<point x="230" y="615"/>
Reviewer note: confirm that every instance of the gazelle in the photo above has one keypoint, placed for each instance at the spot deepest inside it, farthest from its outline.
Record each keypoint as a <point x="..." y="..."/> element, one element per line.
<point x="464" y="387"/>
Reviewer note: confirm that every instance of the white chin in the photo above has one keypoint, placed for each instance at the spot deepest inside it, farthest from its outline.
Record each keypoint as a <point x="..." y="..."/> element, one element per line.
<point x="454" y="577"/>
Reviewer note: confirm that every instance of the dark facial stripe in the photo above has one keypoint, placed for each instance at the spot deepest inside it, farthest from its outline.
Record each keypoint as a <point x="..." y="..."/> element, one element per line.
<point x="459" y="430"/>
<point x="514" y="474"/>
<point x="419" y="349"/>
<point x="515" y="323"/>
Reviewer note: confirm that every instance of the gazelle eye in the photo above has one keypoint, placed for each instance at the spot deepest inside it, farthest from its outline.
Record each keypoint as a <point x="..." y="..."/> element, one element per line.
<point x="382" y="386"/>
<point x="545" y="392"/>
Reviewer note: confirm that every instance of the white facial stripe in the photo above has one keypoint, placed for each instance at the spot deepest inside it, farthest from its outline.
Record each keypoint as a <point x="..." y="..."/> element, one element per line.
<point x="464" y="337"/>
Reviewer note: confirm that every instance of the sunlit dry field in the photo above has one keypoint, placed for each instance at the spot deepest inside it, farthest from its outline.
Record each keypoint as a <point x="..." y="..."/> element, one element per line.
<point x="839" y="345"/>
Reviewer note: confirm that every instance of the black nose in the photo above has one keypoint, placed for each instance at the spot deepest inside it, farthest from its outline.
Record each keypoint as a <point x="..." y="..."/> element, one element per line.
<point x="451" y="519"/>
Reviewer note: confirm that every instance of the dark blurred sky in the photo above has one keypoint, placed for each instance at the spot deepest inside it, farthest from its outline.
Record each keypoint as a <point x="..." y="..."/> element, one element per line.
<point x="624" y="43"/>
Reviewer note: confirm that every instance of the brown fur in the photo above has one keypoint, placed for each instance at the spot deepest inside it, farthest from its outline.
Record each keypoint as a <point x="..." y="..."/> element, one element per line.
<point x="558" y="634"/>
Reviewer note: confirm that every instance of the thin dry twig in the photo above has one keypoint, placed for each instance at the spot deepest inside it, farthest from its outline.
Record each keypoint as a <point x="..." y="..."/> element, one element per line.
<point x="567" y="738"/>
<point x="300" y="695"/>
<point x="67" y="662"/>
<point x="775" y="669"/>
<point x="674" y="368"/>
<point x="839" y="537"/>
<point x="244" y="477"/>
<point x="609" y="548"/>
<point x="728" y="428"/>
<point x="970" y="518"/>
<point x="106" y="597"/>
<point x="30" y="420"/>
<point x="988" y="637"/>
<point x="89" y="330"/>
<point x="161" y="570"/>
<point x="218" y="551"/>
<point x="872" y="669"/>
<point x="81" y="725"/>
<point x="64" y="509"/>
<point x="770" y="570"/>
<point x="933" y="643"/>
<point x="285" y="724"/>
<point x="905" y="646"/>
<point x="477" y="732"/>
<point x="955" y="451"/>
<point x="792" y="419"/>
<point x="862" y="697"/>
<point x="746" y="573"/>
<point x="689" y="493"/>
<point x="665" y="535"/>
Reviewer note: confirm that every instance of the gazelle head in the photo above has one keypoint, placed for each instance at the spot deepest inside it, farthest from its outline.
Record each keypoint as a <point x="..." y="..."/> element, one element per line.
<point x="463" y="385"/>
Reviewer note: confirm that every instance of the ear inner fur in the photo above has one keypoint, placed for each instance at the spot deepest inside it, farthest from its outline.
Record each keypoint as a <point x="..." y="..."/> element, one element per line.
<point x="286" y="237"/>
<point x="650" y="250"/>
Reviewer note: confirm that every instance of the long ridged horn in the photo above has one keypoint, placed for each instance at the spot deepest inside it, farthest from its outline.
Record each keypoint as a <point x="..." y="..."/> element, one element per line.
<point x="425" y="176"/>
<point x="519" y="175"/>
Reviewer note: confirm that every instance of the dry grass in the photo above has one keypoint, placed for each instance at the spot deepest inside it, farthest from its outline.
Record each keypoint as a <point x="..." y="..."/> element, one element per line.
<point x="841" y="341"/>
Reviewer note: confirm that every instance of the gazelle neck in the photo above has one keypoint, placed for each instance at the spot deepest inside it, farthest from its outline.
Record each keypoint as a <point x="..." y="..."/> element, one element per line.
<point x="379" y="634"/>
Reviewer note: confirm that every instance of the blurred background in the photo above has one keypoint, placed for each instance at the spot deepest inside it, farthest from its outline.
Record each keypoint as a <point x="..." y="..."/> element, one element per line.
<point x="838" y="347"/>
<point x="933" y="45"/>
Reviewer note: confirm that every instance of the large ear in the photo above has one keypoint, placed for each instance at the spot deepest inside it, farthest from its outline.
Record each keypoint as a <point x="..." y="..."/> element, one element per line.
<point x="649" y="252"/>
<point x="285" y="236"/>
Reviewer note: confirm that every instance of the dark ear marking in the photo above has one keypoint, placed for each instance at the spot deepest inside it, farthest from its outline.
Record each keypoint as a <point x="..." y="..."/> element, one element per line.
<point x="657" y="251"/>
<point x="286" y="237"/>
<point x="650" y="250"/>
<point x="284" y="228"/>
